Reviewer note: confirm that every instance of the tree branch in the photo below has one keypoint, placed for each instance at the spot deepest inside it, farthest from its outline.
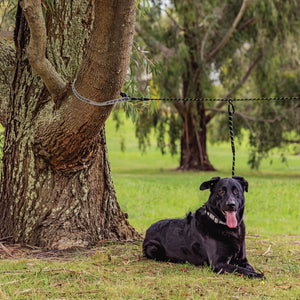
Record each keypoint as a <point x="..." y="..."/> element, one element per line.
<point x="249" y="119"/>
<point x="203" y="42"/>
<point x="247" y="24"/>
<point x="246" y="118"/>
<point x="71" y="141"/>
<point x="291" y="141"/>
<point x="37" y="48"/>
<point x="243" y="8"/>
<point x="7" y="58"/>
<point x="154" y="44"/>
<point x="241" y="82"/>
<point x="173" y="20"/>
<point x="8" y="35"/>
<point x="105" y="63"/>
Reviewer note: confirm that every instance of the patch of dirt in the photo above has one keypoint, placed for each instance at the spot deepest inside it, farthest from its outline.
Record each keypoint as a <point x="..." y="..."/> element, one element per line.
<point x="17" y="251"/>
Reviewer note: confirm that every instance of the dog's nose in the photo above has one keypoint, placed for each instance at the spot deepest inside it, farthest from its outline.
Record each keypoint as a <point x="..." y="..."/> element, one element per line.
<point x="230" y="204"/>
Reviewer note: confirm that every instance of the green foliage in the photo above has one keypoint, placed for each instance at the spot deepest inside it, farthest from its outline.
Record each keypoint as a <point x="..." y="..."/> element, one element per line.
<point x="48" y="5"/>
<point x="7" y="13"/>
<point x="268" y="31"/>
<point x="142" y="4"/>
<point x="140" y="67"/>
<point x="165" y="123"/>
<point x="275" y="16"/>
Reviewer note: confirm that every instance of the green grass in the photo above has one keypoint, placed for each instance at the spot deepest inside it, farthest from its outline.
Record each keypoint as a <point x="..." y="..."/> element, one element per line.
<point x="149" y="189"/>
<point x="118" y="271"/>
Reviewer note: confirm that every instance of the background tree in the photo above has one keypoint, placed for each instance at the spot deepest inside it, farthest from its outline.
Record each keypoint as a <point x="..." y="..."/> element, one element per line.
<point x="269" y="124"/>
<point x="198" y="44"/>
<point x="56" y="187"/>
<point x="7" y="18"/>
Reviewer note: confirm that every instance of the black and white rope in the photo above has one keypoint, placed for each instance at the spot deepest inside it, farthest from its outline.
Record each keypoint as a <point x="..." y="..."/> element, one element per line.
<point x="231" y="111"/>
<point x="217" y="99"/>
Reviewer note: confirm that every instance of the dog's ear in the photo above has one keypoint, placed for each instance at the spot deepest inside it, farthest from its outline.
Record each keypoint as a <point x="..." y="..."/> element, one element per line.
<point x="242" y="181"/>
<point x="209" y="184"/>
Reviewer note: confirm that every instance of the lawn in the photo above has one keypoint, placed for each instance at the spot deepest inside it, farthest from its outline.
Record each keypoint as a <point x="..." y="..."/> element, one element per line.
<point x="149" y="189"/>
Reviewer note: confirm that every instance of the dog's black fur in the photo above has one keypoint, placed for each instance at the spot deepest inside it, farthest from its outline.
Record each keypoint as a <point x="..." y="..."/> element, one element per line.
<point x="214" y="235"/>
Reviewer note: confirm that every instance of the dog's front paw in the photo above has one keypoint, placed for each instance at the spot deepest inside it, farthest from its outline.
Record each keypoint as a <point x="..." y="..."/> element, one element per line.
<point x="257" y="275"/>
<point x="260" y="275"/>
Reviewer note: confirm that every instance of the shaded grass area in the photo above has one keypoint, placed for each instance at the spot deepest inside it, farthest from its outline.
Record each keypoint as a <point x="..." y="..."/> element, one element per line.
<point x="149" y="189"/>
<point x="118" y="271"/>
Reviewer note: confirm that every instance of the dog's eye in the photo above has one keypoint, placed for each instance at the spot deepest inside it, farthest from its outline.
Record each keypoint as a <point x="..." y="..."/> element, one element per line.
<point x="221" y="192"/>
<point x="236" y="191"/>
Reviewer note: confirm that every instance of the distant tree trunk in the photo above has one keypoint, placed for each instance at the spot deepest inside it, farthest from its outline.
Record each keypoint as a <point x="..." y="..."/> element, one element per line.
<point x="193" y="150"/>
<point x="56" y="188"/>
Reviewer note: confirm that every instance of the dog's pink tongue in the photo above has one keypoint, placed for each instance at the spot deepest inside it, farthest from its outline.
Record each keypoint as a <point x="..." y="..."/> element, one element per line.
<point x="231" y="220"/>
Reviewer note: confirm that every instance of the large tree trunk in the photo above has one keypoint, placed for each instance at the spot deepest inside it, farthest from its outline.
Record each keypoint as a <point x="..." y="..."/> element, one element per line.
<point x="51" y="209"/>
<point x="56" y="188"/>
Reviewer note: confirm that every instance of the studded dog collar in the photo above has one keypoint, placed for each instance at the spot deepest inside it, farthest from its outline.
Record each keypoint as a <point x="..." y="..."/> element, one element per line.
<point x="214" y="218"/>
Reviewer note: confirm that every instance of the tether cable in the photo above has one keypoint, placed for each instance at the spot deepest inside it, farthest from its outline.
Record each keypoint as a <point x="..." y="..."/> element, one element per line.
<point x="217" y="99"/>
<point x="231" y="108"/>
<point x="125" y="98"/>
<point x="231" y="111"/>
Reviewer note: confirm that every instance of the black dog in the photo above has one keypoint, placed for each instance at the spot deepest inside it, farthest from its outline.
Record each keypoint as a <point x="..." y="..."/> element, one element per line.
<point x="214" y="235"/>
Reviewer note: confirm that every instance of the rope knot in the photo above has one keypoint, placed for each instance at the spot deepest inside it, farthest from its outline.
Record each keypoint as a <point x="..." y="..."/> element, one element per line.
<point x="231" y="108"/>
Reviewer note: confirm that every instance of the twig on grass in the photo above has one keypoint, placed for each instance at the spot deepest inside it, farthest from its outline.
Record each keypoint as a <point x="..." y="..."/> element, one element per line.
<point x="60" y="270"/>
<point x="6" y="250"/>
<point x="32" y="247"/>
<point x="268" y="250"/>
<point x="15" y="271"/>
<point x="24" y="291"/>
<point x="82" y="292"/>
<point x="12" y="282"/>
<point x="5" y="238"/>
<point x="127" y="262"/>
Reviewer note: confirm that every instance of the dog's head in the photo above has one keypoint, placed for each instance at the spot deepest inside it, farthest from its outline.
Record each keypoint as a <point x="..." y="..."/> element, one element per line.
<point x="226" y="198"/>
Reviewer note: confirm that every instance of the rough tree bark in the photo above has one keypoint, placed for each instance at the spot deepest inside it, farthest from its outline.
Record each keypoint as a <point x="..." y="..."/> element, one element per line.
<point x="7" y="56"/>
<point x="56" y="188"/>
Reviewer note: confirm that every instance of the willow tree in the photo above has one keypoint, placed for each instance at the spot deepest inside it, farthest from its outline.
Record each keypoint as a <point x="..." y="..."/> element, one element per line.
<point x="56" y="186"/>
<point x="195" y="41"/>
